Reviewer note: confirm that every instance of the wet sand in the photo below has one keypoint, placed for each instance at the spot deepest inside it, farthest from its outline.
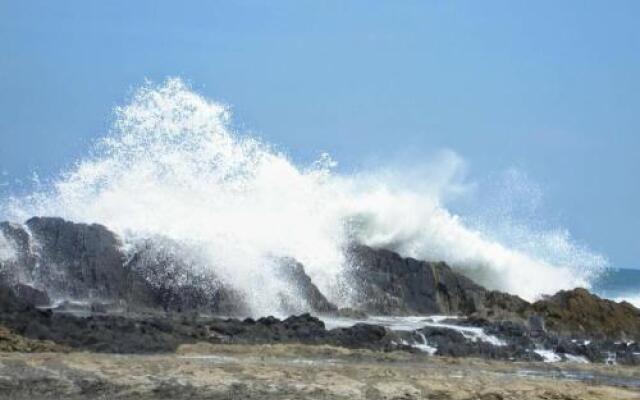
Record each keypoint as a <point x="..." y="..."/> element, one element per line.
<point x="206" y="371"/>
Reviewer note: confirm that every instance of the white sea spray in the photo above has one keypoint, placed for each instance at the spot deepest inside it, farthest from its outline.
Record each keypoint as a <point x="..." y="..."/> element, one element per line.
<point x="172" y="167"/>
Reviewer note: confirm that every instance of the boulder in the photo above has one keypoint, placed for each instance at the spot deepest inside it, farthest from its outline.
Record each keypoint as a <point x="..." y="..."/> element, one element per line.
<point x="31" y="295"/>
<point x="292" y="272"/>
<point x="581" y="314"/>
<point x="387" y="283"/>
<point x="500" y="305"/>
<point x="362" y="336"/>
<point x="166" y="276"/>
<point x="452" y="343"/>
<point x="22" y="265"/>
<point x="87" y="262"/>
<point x="78" y="260"/>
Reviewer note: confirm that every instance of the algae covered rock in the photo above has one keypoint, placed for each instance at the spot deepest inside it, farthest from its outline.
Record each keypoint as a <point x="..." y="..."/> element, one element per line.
<point x="578" y="312"/>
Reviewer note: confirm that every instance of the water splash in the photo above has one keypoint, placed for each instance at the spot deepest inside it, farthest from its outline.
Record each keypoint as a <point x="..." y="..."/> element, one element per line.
<point x="172" y="167"/>
<point x="7" y="249"/>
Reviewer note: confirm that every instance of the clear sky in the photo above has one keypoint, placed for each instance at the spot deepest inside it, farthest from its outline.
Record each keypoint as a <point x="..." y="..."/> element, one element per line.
<point x="549" y="87"/>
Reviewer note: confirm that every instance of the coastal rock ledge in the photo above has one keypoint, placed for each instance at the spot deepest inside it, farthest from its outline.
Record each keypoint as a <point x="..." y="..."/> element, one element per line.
<point x="102" y="286"/>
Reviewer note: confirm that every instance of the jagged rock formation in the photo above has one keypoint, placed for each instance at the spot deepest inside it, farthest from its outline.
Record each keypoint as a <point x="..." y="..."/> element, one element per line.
<point x="580" y="313"/>
<point x="27" y="328"/>
<point x="57" y="258"/>
<point x="21" y="264"/>
<point x="157" y="332"/>
<point x="166" y="277"/>
<point x="60" y="259"/>
<point x="389" y="284"/>
<point x="79" y="260"/>
<point x="87" y="262"/>
<point x="31" y="295"/>
<point x="293" y="272"/>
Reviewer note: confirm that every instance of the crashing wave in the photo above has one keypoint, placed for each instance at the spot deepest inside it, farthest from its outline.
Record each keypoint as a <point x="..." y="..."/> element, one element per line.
<point x="172" y="167"/>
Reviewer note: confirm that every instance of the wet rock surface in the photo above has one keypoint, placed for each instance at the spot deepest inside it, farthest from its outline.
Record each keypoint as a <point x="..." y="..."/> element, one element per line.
<point x="164" y="332"/>
<point x="389" y="284"/>
<point x="77" y="259"/>
<point x="164" y="276"/>
<point x="84" y="262"/>
<point x="150" y="299"/>
<point x="293" y="272"/>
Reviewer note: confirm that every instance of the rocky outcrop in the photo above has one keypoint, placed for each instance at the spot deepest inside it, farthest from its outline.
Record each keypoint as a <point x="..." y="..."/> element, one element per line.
<point x="60" y="259"/>
<point x="166" y="277"/>
<point x="500" y="305"/>
<point x="31" y="295"/>
<point x="389" y="284"/>
<point x="451" y="343"/>
<point x="27" y="327"/>
<point x="78" y="260"/>
<point x="73" y="261"/>
<point x="294" y="274"/>
<point x="55" y="258"/>
<point x="579" y="313"/>
<point x="21" y="265"/>
<point x="162" y="332"/>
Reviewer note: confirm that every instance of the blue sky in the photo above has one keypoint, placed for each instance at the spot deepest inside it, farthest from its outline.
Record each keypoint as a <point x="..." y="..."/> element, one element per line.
<point x="550" y="88"/>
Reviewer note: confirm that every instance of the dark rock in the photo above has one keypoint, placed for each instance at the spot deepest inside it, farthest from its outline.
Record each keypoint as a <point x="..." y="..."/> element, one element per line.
<point x="166" y="276"/>
<point x="452" y="343"/>
<point x="10" y="303"/>
<point x="536" y="325"/>
<point x="21" y="267"/>
<point x="351" y="313"/>
<point x="164" y="332"/>
<point x="79" y="260"/>
<point x="389" y="284"/>
<point x="31" y="295"/>
<point x="86" y="263"/>
<point x="99" y="307"/>
<point x="441" y="336"/>
<point x="361" y="336"/>
<point x="590" y="351"/>
<point x="268" y="321"/>
<point x="499" y="305"/>
<point x="304" y="289"/>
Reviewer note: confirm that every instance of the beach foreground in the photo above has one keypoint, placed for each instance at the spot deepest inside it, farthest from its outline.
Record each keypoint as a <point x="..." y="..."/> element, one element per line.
<point x="205" y="371"/>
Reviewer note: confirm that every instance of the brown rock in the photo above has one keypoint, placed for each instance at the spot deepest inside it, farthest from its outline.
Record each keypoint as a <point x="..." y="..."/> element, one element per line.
<point x="580" y="313"/>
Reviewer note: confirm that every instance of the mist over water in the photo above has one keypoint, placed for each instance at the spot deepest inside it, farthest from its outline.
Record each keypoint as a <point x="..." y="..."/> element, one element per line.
<point x="172" y="168"/>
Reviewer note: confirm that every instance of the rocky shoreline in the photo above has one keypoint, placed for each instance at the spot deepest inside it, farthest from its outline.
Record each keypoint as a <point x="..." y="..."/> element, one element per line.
<point x="144" y="302"/>
<point x="204" y="371"/>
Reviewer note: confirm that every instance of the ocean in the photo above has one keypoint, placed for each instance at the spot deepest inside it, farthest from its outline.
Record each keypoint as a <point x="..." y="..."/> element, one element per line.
<point x="619" y="284"/>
